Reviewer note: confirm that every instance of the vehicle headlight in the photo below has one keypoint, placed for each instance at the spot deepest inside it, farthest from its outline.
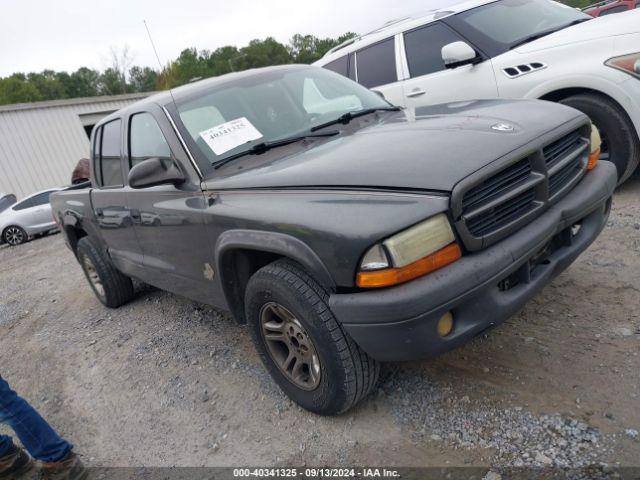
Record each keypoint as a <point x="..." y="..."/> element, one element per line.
<point x="596" y="143"/>
<point x="627" y="63"/>
<point x="414" y="252"/>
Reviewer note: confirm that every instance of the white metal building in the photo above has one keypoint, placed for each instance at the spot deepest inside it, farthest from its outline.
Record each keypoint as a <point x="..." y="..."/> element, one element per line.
<point x="40" y="143"/>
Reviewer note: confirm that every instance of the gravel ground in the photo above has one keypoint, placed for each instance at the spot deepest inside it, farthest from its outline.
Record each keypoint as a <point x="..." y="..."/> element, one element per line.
<point x="163" y="381"/>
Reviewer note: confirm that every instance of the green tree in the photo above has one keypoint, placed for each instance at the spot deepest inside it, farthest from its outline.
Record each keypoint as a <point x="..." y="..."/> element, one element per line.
<point x="142" y="79"/>
<point x="16" y="89"/>
<point x="84" y="82"/>
<point x="112" y="82"/>
<point x="262" y="53"/>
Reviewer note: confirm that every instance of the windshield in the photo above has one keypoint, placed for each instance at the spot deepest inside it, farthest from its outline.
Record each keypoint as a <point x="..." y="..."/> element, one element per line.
<point x="499" y="26"/>
<point x="269" y="106"/>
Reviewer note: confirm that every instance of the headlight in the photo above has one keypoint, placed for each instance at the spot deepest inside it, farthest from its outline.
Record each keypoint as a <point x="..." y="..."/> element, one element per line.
<point x="414" y="252"/>
<point x="627" y="63"/>
<point x="596" y="143"/>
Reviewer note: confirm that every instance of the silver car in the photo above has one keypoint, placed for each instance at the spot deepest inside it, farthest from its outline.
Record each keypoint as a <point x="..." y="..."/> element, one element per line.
<point x="26" y="218"/>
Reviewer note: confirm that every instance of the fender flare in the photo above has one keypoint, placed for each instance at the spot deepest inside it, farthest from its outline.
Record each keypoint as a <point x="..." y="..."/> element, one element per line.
<point x="269" y="242"/>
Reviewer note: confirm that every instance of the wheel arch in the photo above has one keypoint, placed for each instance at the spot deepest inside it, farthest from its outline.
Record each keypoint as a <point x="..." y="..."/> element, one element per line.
<point x="74" y="233"/>
<point x="240" y="253"/>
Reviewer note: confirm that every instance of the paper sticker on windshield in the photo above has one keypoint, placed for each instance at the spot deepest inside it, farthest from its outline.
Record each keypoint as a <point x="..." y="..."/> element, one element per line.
<point x="229" y="135"/>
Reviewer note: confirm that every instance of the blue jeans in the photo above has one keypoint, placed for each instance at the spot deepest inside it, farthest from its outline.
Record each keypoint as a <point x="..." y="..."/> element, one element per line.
<point x="40" y="440"/>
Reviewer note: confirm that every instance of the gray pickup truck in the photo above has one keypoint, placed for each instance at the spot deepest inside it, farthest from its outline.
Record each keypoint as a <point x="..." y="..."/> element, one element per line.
<point x="344" y="231"/>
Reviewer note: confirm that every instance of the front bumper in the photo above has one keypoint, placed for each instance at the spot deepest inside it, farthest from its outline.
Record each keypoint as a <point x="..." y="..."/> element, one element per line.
<point x="399" y="323"/>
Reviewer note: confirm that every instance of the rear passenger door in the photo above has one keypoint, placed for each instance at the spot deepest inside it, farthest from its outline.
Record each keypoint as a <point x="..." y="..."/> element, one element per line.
<point x="108" y="199"/>
<point x="428" y="82"/>
<point x="376" y="69"/>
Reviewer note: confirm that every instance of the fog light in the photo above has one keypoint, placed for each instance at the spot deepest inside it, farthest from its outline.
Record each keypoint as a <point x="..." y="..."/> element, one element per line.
<point x="445" y="324"/>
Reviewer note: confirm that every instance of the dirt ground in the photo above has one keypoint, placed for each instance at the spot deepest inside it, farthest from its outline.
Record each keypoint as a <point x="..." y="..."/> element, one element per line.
<point x="163" y="381"/>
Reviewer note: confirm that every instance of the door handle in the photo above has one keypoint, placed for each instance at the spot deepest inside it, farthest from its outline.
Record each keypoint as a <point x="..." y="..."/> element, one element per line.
<point x="416" y="93"/>
<point x="99" y="212"/>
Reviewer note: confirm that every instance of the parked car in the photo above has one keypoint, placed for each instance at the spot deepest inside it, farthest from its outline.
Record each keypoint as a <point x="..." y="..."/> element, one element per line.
<point x="511" y="49"/>
<point x="343" y="230"/>
<point x="610" y="6"/>
<point x="26" y="218"/>
<point x="6" y="200"/>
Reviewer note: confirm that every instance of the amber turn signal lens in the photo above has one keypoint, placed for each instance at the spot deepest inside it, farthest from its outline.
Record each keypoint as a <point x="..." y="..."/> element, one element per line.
<point x="395" y="276"/>
<point x="593" y="159"/>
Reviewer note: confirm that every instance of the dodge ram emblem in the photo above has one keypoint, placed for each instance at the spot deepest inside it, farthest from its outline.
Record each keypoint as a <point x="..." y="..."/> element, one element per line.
<point x="503" y="127"/>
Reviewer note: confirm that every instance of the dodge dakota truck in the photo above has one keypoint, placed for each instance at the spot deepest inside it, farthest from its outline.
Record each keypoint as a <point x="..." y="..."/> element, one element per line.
<point x="343" y="231"/>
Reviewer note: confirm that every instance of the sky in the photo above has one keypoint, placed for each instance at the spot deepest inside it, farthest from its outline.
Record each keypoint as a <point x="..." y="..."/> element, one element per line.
<point x="68" y="34"/>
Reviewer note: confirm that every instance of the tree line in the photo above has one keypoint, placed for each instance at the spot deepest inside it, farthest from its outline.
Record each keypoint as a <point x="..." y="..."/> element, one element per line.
<point x="192" y="64"/>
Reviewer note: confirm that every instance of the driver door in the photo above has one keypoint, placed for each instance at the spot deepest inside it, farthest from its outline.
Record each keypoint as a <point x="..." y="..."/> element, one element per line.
<point x="430" y="82"/>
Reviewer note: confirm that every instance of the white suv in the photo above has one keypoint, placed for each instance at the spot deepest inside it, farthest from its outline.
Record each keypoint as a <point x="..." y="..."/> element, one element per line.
<point x="510" y="49"/>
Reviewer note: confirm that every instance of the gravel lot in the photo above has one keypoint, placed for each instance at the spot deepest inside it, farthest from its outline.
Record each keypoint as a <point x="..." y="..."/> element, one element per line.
<point x="166" y="382"/>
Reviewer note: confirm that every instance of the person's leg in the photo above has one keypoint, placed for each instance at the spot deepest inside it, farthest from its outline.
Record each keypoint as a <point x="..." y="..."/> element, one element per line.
<point x="40" y="440"/>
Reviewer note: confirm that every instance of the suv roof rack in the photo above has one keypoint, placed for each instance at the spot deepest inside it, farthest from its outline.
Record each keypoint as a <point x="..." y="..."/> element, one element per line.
<point x="382" y="27"/>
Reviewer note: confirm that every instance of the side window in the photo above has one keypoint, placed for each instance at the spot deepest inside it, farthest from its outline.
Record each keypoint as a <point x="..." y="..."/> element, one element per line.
<point x="109" y="163"/>
<point x="28" y="203"/>
<point x="377" y="64"/>
<point x="340" y="66"/>
<point x="146" y="139"/>
<point x="618" y="9"/>
<point x="424" y="48"/>
<point x="41" y="198"/>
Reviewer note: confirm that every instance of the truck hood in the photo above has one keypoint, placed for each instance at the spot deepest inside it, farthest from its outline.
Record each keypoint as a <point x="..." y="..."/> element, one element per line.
<point x="603" y="27"/>
<point x="430" y="148"/>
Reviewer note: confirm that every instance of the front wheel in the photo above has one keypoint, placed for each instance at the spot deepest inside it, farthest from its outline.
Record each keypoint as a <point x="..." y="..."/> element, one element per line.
<point x="620" y="144"/>
<point x="302" y="345"/>
<point x="110" y="286"/>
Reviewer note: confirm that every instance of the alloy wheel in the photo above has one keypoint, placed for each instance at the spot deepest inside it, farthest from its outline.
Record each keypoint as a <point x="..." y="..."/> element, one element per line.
<point x="290" y="346"/>
<point x="14" y="236"/>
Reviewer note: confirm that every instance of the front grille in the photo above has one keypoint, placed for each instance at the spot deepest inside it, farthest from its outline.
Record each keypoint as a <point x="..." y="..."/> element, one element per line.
<point x="492" y="203"/>
<point x="564" y="176"/>
<point x="495" y="186"/>
<point x="503" y="214"/>
<point x="560" y="148"/>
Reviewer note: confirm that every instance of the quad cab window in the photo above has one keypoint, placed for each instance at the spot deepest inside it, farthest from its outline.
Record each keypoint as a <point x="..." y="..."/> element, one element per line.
<point x="108" y="165"/>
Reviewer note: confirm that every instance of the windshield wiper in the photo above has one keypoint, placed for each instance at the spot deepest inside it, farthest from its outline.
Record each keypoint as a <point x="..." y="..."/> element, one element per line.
<point x="544" y="33"/>
<point x="347" y="117"/>
<point x="265" y="146"/>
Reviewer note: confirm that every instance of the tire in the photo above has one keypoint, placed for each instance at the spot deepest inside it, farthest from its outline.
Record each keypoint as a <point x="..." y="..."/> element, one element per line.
<point x="346" y="374"/>
<point x="617" y="130"/>
<point x="112" y="288"/>
<point x="14" y="235"/>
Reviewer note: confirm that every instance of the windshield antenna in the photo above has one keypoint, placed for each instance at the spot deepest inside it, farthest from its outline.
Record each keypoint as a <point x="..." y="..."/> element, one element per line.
<point x="155" y="51"/>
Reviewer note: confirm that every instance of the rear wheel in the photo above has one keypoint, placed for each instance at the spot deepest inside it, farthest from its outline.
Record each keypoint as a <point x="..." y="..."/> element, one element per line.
<point x="302" y="345"/>
<point x="620" y="143"/>
<point x="110" y="286"/>
<point x="15" y="235"/>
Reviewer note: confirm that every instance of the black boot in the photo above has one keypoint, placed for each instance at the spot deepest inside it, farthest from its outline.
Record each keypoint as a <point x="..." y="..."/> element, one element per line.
<point x="15" y="463"/>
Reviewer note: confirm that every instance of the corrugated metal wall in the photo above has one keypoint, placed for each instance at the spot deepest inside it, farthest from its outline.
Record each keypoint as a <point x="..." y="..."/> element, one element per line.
<point x="40" y="145"/>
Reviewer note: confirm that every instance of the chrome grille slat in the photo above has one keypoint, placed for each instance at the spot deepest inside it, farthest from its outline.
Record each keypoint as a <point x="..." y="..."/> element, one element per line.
<point x="498" y="202"/>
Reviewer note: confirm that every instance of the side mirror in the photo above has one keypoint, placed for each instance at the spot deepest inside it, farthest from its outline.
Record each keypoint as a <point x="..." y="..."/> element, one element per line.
<point x="155" y="171"/>
<point x="457" y="54"/>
